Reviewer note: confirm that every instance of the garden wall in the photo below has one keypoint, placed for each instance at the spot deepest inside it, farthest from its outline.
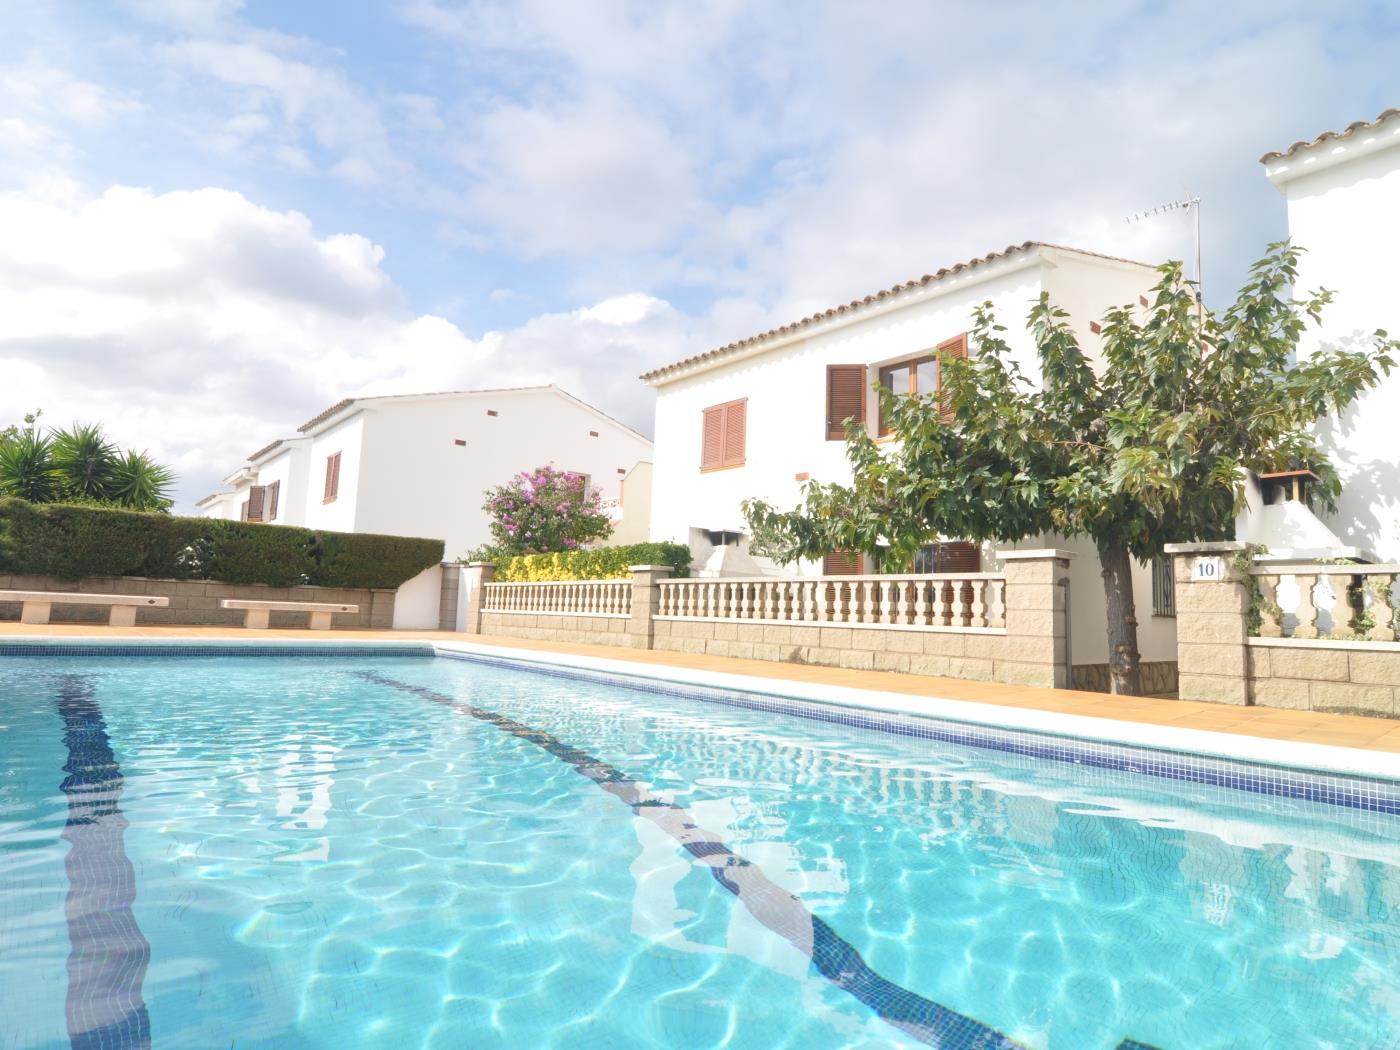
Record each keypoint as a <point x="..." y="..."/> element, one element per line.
<point x="196" y="602"/>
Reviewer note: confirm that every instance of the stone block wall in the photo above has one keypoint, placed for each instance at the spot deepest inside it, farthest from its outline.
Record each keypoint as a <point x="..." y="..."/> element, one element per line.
<point x="1355" y="678"/>
<point x="1030" y="650"/>
<point x="1159" y="678"/>
<point x="584" y="630"/>
<point x="451" y="596"/>
<point x="196" y="602"/>
<point x="977" y="657"/>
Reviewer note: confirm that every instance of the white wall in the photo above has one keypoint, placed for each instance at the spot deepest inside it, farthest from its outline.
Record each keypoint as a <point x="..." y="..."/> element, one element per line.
<point x="288" y="466"/>
<point x="786" y="419"/>
<point x="634" y="513"/>
<point x="786" y="416"/>
<point x="416" y="481"/>
<point x="1344" y="208"/>
<point x="418" y="601"/>
<point x="347" y="438"/>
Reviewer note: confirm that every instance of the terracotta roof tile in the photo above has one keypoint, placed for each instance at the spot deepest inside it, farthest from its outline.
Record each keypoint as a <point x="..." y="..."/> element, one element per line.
<point x="1327" y="136"/>
<point x="265" y="449"/>
<point x="875" y="297"/>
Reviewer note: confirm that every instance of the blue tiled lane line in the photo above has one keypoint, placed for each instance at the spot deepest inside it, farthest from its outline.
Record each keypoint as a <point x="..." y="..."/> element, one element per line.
<point x="834" y="958"/>
<point x="109" y="955"/>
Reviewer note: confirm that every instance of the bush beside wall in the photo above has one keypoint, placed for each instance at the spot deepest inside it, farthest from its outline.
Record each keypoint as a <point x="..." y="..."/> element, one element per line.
<point x="73" y="542"/>
<point x="602" y="563"/>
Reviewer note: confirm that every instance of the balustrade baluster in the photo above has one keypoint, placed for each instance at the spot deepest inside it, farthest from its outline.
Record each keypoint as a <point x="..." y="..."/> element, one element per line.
<point x="1342" y="612"/>
<point x="1270" y="613"/>
<point x="1381" y="592"/>
<point x="1306" y="612"/>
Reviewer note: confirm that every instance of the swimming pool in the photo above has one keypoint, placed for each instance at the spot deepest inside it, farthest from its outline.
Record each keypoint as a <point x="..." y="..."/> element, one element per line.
<point x="394" y="850"/>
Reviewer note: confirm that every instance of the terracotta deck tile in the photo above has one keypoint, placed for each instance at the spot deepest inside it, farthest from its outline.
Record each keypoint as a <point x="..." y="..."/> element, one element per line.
<point x="1267" y="723"/>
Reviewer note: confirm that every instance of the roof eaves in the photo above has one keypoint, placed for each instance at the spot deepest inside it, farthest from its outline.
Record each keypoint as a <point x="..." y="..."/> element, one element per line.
<point x="857" y="304"/>
<point x="1329" y="136"/>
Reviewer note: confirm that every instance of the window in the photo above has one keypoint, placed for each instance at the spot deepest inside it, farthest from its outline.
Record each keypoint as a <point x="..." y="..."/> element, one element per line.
<point x="1163" y="588"/>
<point x="910" y="378"/>
<point x="841" y="563"/>
<point x="273" y="492"/>
<point x="257" y="503"/>
<point x="955" y="556"/>
<point x="332" y="478"/>
<point x="845" y="398"/>
<point x="919" y="376"/>
<point x="723" y="434"/>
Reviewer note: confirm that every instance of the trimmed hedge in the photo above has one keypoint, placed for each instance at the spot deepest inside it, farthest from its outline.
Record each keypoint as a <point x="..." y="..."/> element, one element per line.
<point x="72" y="542"/>
<point x="601" y="563"/>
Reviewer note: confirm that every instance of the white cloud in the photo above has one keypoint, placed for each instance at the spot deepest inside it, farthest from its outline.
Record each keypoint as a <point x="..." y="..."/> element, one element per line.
<point x="201" y="325"/>
<point x="307" y="98"/>
<point x="590" y="174"/>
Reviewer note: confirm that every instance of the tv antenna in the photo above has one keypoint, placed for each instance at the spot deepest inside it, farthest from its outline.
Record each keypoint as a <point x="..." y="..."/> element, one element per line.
<point x="1192" y="205"/>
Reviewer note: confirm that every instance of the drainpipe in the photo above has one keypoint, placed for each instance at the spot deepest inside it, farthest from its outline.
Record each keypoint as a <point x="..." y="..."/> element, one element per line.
<point x="1069" y="634"/>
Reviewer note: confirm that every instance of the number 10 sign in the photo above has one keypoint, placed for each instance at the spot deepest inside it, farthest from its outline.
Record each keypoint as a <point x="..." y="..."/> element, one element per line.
<point x="1208" y="570"/>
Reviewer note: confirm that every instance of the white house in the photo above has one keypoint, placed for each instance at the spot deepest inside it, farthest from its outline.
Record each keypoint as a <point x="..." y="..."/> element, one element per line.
<point x="417" y="465"/>
<point x="759" y="416"/>
<point x="1343" y="194"/>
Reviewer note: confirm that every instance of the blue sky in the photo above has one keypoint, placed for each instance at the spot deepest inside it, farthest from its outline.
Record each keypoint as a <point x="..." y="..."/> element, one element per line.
<point x="217" y="217"/>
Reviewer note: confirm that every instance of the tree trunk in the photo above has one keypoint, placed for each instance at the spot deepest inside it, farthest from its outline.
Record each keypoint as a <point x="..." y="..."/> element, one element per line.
<point x="1125" y="677"/>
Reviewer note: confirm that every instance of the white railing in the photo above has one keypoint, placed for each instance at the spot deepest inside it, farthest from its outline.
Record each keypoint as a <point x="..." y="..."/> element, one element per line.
<point x="560" y="598"/>
<point x="966" y="601"/>
<point x="1345" y="602"/>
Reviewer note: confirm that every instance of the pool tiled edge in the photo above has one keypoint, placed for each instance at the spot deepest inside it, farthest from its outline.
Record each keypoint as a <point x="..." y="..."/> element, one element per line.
<point x="1338" y="776"/>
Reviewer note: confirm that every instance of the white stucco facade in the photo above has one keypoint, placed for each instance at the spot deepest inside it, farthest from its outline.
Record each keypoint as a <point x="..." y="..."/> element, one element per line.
<point x="784" y="379"/>
<point x="418" y="465"/>
<point x="1343" y="195"/>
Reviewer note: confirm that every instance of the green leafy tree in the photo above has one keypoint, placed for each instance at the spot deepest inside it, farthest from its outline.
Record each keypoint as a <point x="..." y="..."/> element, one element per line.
<point x="1145" y="447"/>
<point x="79" y="465"/>
<point x="543" y="511"/>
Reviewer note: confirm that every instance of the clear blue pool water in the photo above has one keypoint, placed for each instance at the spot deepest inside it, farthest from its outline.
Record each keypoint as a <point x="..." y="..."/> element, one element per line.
<point x="330" y="854"/>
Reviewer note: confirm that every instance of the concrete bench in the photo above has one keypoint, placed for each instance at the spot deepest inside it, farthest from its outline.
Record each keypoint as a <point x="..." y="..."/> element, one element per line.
<point x="37" y="605"/>
<point x="256" y="613"/>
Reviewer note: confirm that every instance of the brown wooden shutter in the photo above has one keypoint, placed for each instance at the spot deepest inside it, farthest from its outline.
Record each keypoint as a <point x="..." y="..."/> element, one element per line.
<point x="845" y="398"/>
<point x="273" y="492"/>
<point x="243" y="511"/>
<point x="257" y="499"/>
<point x="712" y="439"/>
<point x="958" y="556"/>
<point x="954" y="348"/>
<point x="332" y="477"/>
<point x="735" y="432"/>
<point x="841" y="563"/>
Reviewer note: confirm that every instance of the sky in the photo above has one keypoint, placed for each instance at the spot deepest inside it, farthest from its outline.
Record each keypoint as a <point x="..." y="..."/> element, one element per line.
<point x="219" y="217"/>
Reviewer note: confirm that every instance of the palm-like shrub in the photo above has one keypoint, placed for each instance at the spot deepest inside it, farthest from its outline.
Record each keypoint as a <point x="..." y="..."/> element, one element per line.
<point x="79" y="465"/>
<point x="83" y="459"/>
<point x="26" y="466"/>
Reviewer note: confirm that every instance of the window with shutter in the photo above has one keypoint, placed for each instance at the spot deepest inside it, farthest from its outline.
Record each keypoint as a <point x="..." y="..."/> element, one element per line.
<point x="841" y="563"/>
<point x="959" y="556"/>
<point x="919" y="376"/>
<point x="735" y="432"/>
<point x="712" y="439"/>
<point x="845" y="398"/>
<point x="724" y="435"/>
<point x="273" y="492"/>
<point x="955" y="348"/>
<point x="243" y="511"/>
<point x="332" y="478"/>
<point x="257" y="500"/>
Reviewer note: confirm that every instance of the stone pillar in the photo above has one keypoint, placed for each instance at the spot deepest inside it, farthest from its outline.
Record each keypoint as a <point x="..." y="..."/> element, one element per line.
<point x="1212" y="630"/>
<point x="1037" y="624"/>
<point x="646" y="603"/>
<point x="474" y="576"/>
<point x="381" y="608"/>
<point x="451" y="593"/>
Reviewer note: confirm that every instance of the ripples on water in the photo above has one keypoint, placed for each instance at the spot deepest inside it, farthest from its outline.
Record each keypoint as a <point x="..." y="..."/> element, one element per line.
<point x="323" y="861"/>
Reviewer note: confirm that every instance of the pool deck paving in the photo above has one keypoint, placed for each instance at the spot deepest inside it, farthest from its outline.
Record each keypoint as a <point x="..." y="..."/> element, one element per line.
<point x="1313" y="727"/>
